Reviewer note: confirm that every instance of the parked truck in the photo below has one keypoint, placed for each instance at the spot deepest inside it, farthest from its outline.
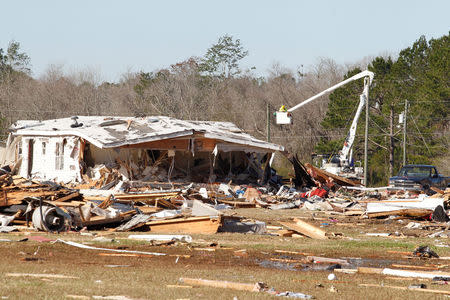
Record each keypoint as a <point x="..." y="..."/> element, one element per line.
<point x="418" y="177"/>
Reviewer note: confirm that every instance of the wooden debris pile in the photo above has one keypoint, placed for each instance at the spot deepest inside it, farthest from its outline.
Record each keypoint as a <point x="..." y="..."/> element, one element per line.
<point x="108" y="202"/>
<point x="15" y="189"/>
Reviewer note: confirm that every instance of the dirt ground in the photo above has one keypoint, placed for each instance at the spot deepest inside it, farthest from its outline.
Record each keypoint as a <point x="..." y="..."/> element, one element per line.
<point x="243" y="258"/>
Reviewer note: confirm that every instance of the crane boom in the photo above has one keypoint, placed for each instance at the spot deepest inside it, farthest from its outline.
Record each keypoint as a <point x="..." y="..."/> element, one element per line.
<point x="345" y="153"/>
<point x="343" y="165"/>
<point x="329" y="90"/>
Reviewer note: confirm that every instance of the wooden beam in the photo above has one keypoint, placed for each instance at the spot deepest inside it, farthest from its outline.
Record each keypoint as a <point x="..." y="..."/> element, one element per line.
<point x="435" y="189"/>
<point x="409" y="212"/>
<point x="68" y="197"/>
<point x="68" y="204"/>
<point x="146" y="195"/>
<point x="306" y="229"/>
<point x="222" y="284"/>
<point x="203" y="225"/>
<point x="149" y="209"/>
<point x="237" y="203"/>
<point x="327" y="260"/>
<point x="366" y="270"/>
<point x="106" y="203"/>
<point x="53" y="276"/>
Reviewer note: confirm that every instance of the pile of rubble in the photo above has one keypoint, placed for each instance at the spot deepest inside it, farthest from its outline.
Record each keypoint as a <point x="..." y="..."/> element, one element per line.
<point x="106" y="201"/>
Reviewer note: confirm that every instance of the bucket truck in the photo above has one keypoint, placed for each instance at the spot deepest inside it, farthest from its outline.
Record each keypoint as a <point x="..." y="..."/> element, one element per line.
<point x="340" y="164"/>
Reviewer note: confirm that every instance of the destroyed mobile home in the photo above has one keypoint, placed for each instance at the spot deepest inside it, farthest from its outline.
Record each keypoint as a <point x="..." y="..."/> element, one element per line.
<point x="148" y="149"/>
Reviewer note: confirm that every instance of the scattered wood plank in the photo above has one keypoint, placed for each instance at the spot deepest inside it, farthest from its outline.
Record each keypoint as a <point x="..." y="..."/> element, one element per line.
<point x="237" y="203"/>
<point x="399" y="252"/>
<point x="285" y="232"/>
<point x="57" y="276"/>
<point x="292" y="252"/>
<point x="289" y="260"/>
<point x="222" y="284"/>
<point x="366" y="270"/>
<point x="106" y="203"/>
<point x="353" y="213"/>
<point x="437" y="190"/>
<point x="68" y="197"/>
<point x="80" y="297"/>
<point x="327" y="260"/>
<point x="411" y="212"/>
<point x="306" y="229"/>
<point x="67" y="204"/>
<point x="149" y="209"/>
<point x="204" y="225"/>
<point x="346" y="271"/>
<point x="144" y="196"/>
<point x="205" y="249"/>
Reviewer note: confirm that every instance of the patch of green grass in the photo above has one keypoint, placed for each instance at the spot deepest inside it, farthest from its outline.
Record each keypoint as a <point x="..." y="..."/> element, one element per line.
<point x="376" y="244"/>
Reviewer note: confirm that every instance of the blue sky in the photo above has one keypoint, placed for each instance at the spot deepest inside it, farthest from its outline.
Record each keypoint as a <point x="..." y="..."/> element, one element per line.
<point x="114" y="37"/>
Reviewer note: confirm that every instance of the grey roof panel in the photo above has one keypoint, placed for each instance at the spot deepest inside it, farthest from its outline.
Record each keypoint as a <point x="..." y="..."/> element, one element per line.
<point x="109" y="132"/>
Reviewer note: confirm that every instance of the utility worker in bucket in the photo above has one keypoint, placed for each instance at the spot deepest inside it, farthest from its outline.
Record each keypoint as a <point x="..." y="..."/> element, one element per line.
<point x="283" y="108"/>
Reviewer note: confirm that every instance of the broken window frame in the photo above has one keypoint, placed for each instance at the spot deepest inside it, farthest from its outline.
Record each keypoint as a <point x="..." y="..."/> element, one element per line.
<point x="59" y="155"/>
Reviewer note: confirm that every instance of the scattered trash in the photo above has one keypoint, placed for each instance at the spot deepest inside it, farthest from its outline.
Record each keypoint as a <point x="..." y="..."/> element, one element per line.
<point x="333" y="289"/>
<point x="439" y="214"/>
<point x="331" y="276"/>
<point x="425" y="251"/>
<point x="418" y="286"/>
<point x="155" y="237"/>
<point x="78" y="245"/>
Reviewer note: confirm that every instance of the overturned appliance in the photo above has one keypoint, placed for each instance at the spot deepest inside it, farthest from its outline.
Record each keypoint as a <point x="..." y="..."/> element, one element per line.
<point x="49" y="218"/>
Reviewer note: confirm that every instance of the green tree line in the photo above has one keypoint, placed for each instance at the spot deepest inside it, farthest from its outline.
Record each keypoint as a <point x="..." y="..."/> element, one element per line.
<point x="418" y="81"/>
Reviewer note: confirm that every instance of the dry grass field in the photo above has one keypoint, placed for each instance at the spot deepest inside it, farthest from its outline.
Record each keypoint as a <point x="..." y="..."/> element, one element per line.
<point x="217" y="257"/>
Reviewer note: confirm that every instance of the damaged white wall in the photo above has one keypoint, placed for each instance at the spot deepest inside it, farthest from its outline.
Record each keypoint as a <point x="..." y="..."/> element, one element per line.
<point x="50" y="158"/>
<point x="8" y="151"/>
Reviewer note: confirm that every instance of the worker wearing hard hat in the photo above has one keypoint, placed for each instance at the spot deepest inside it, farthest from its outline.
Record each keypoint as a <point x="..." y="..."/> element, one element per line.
<point x="283" y="108"/>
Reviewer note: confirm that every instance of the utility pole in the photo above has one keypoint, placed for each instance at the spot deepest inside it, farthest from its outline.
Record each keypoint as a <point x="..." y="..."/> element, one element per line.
<point x="268" y="121"/>
<point x="391" y="140"/>
<point x="404" y="132"/>
<point x="366" y="134"/>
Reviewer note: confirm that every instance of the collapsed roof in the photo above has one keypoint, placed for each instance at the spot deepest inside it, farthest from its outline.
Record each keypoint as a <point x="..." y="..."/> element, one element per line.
<point x="110" y="132"/>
